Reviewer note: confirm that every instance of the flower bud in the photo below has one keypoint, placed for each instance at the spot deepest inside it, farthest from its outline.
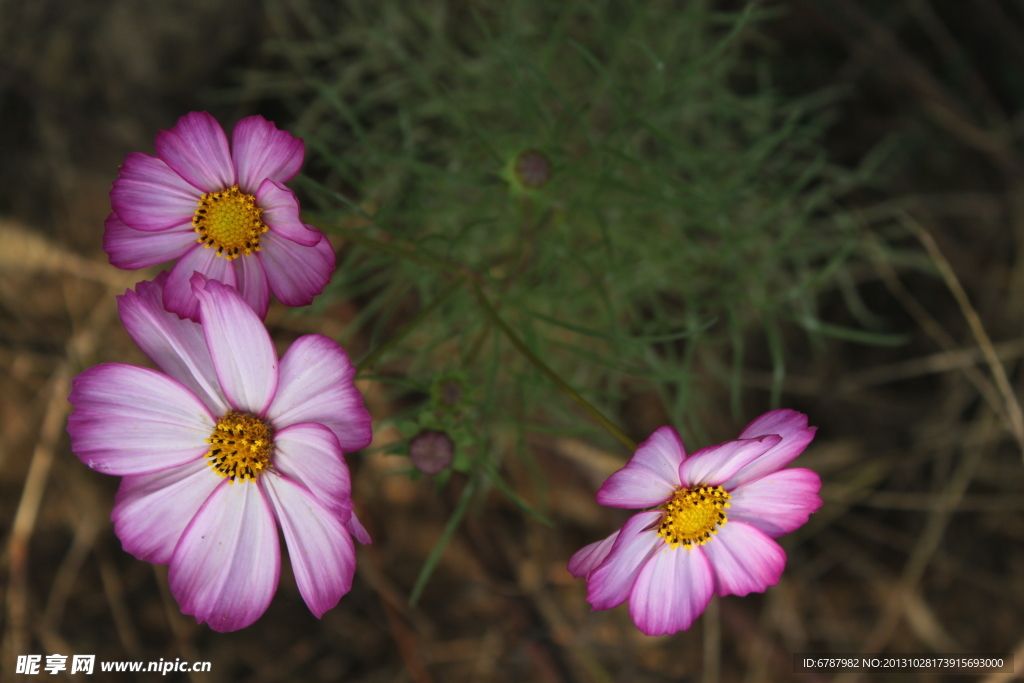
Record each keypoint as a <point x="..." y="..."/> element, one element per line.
<point x="431" y="451"/>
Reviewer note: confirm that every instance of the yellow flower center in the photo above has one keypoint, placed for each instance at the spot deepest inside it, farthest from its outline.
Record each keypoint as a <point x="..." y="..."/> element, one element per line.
<point x="240" y="447"/>
<point x="229" y="221"/>
<point x="692" y="516"/>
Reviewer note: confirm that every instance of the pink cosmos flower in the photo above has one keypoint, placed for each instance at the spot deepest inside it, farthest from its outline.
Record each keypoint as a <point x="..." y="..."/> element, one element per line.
<point x="226" y="440"/>
<point x="221" y="212"/>
<point x="668" y="560"/>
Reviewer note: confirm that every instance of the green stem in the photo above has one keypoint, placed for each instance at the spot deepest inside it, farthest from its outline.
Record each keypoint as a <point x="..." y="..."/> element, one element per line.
<point x="374" y="356"/>
<point x="446" y="536"/>
<point x="542" y="366"/>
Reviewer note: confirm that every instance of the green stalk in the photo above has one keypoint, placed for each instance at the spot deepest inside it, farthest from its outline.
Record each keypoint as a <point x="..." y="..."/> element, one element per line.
<point x="369" y="360"/>
<point x="542" y="366"/>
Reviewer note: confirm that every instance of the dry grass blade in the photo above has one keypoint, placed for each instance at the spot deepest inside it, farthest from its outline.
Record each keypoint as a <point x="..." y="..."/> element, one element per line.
<point x="1012" y="406"/>
<point x="25" y="250"/>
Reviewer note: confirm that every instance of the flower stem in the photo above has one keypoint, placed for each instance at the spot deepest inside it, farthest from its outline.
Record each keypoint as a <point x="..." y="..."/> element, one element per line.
<point x="542" y="366"/>
<point x="375" y="355"/>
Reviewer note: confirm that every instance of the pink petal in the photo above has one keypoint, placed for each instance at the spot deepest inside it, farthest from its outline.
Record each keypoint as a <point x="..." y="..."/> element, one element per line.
<point x="651" y="475"/>
<point x="590" y="557"/>
<point x="176" y="345"/>
<point x="792" y="427"/>
<point x="317" y="386"/>
<point x="744" y="559"/>
<point x="609" y="584"/>
<point x="178" y="296"/>
<point x="131" y="420"/>
<point x="243" y="355"/>
<point x="322" y="554"/>
<point x="281" y="214"/>
<point x="129" y="249"/>
<point x="225" y="568"/>
<point x="672" y="590"/>
<point x="262" y="151"/>
<point x="296" y="273"/>
<point x="778" y="503"/>
<point x="252" y="284"/>
<point x="152" y="510"/>
<point x="309" y="454"/>
<point x="148" y="195"/>
<point x="713" y="465"/>
<point x="356" y="528"/>
<point x="197" y="149"/>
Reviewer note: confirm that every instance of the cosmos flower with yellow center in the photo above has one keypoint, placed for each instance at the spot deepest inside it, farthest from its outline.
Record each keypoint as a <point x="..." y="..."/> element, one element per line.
<point x="220" y="211"/>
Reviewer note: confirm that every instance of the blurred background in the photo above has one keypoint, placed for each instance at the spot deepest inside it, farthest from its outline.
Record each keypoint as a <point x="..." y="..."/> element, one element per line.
<point x="732" y="207"/>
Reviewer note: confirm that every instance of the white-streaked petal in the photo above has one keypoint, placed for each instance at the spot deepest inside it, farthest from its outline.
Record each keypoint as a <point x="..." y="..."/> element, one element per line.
<point x="130" y="249"/>
<point x="280" y="212"/>
<point x="197" y="150"/>
<point x="321" y="551"/>
<point x="132" y="420"/>
<point x="309" y="454"/>
<point x="796" y="435"/>
<point x="225" y="568"/>
<point x="317" y="385"/>
<point x="610" y="583"/>
<point x="152" y="510"/>
<point x="744" y="559"/>
<point x="671" y="591"/>
<point x="651" y="475"/>
<point x="260" y="150"/>
<point x="243" y="355"/>
<point x="778" y="503"/>
<point x="714" y="465"/>
<point x="176" y="345"/>
<point x="178" y="296"/>
<point x="252" y="284"/>
<point x="589" y="557"/>
<point x="149" y="196"/>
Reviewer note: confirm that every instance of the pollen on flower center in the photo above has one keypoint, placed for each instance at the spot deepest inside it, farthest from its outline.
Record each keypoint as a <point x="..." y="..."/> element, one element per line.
<point x="240" y="447"/>
<point x="692" y="516"/>
<point x="229" y="221"/>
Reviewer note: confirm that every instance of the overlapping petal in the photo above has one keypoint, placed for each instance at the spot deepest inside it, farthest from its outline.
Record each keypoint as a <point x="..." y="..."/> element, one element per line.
<point x="132" y="420"/>
<point x="281" y="214"/>
<point x="317" y="386"/>
<point x="778" y="503"/>
<point x="226" y="565"/>
<point x="590" y="557"/>
<point x="309" y="454"/>
<point x="178" y="296"/>
<point x="176" y="345"/>
<point x="322" y="554"/>
<point x="651" y="475"/>
<point x="129" y="249"/>
<point x="151" y="511"/>
<point x="296" y="273"/>
<point x="149" y="195"/>
<point x="671" y="591"/>
<point x="355" y="527"/>
<point x="197" y="150"/>
<point x="260" y="150"/>
<point x="252" y="284"/>
<point x="788" y="424"/>
<point x="243" y="355"/>
<point x="744" y="559"/>
<point x="713" y="465"/>
<point x="609" y="585"/>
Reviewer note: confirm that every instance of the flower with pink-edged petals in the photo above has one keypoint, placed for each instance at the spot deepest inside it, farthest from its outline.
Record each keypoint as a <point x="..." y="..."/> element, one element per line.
<point x="709" y="525"/>
<point x="222" y="212"/>
<point x="221" y="447"/>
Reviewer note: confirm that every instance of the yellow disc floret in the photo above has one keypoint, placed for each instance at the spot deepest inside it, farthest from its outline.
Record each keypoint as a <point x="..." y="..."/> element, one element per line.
<point x="692" y="516"/>
<point x="229" y="221"/>
<point x="240" y="447"/>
